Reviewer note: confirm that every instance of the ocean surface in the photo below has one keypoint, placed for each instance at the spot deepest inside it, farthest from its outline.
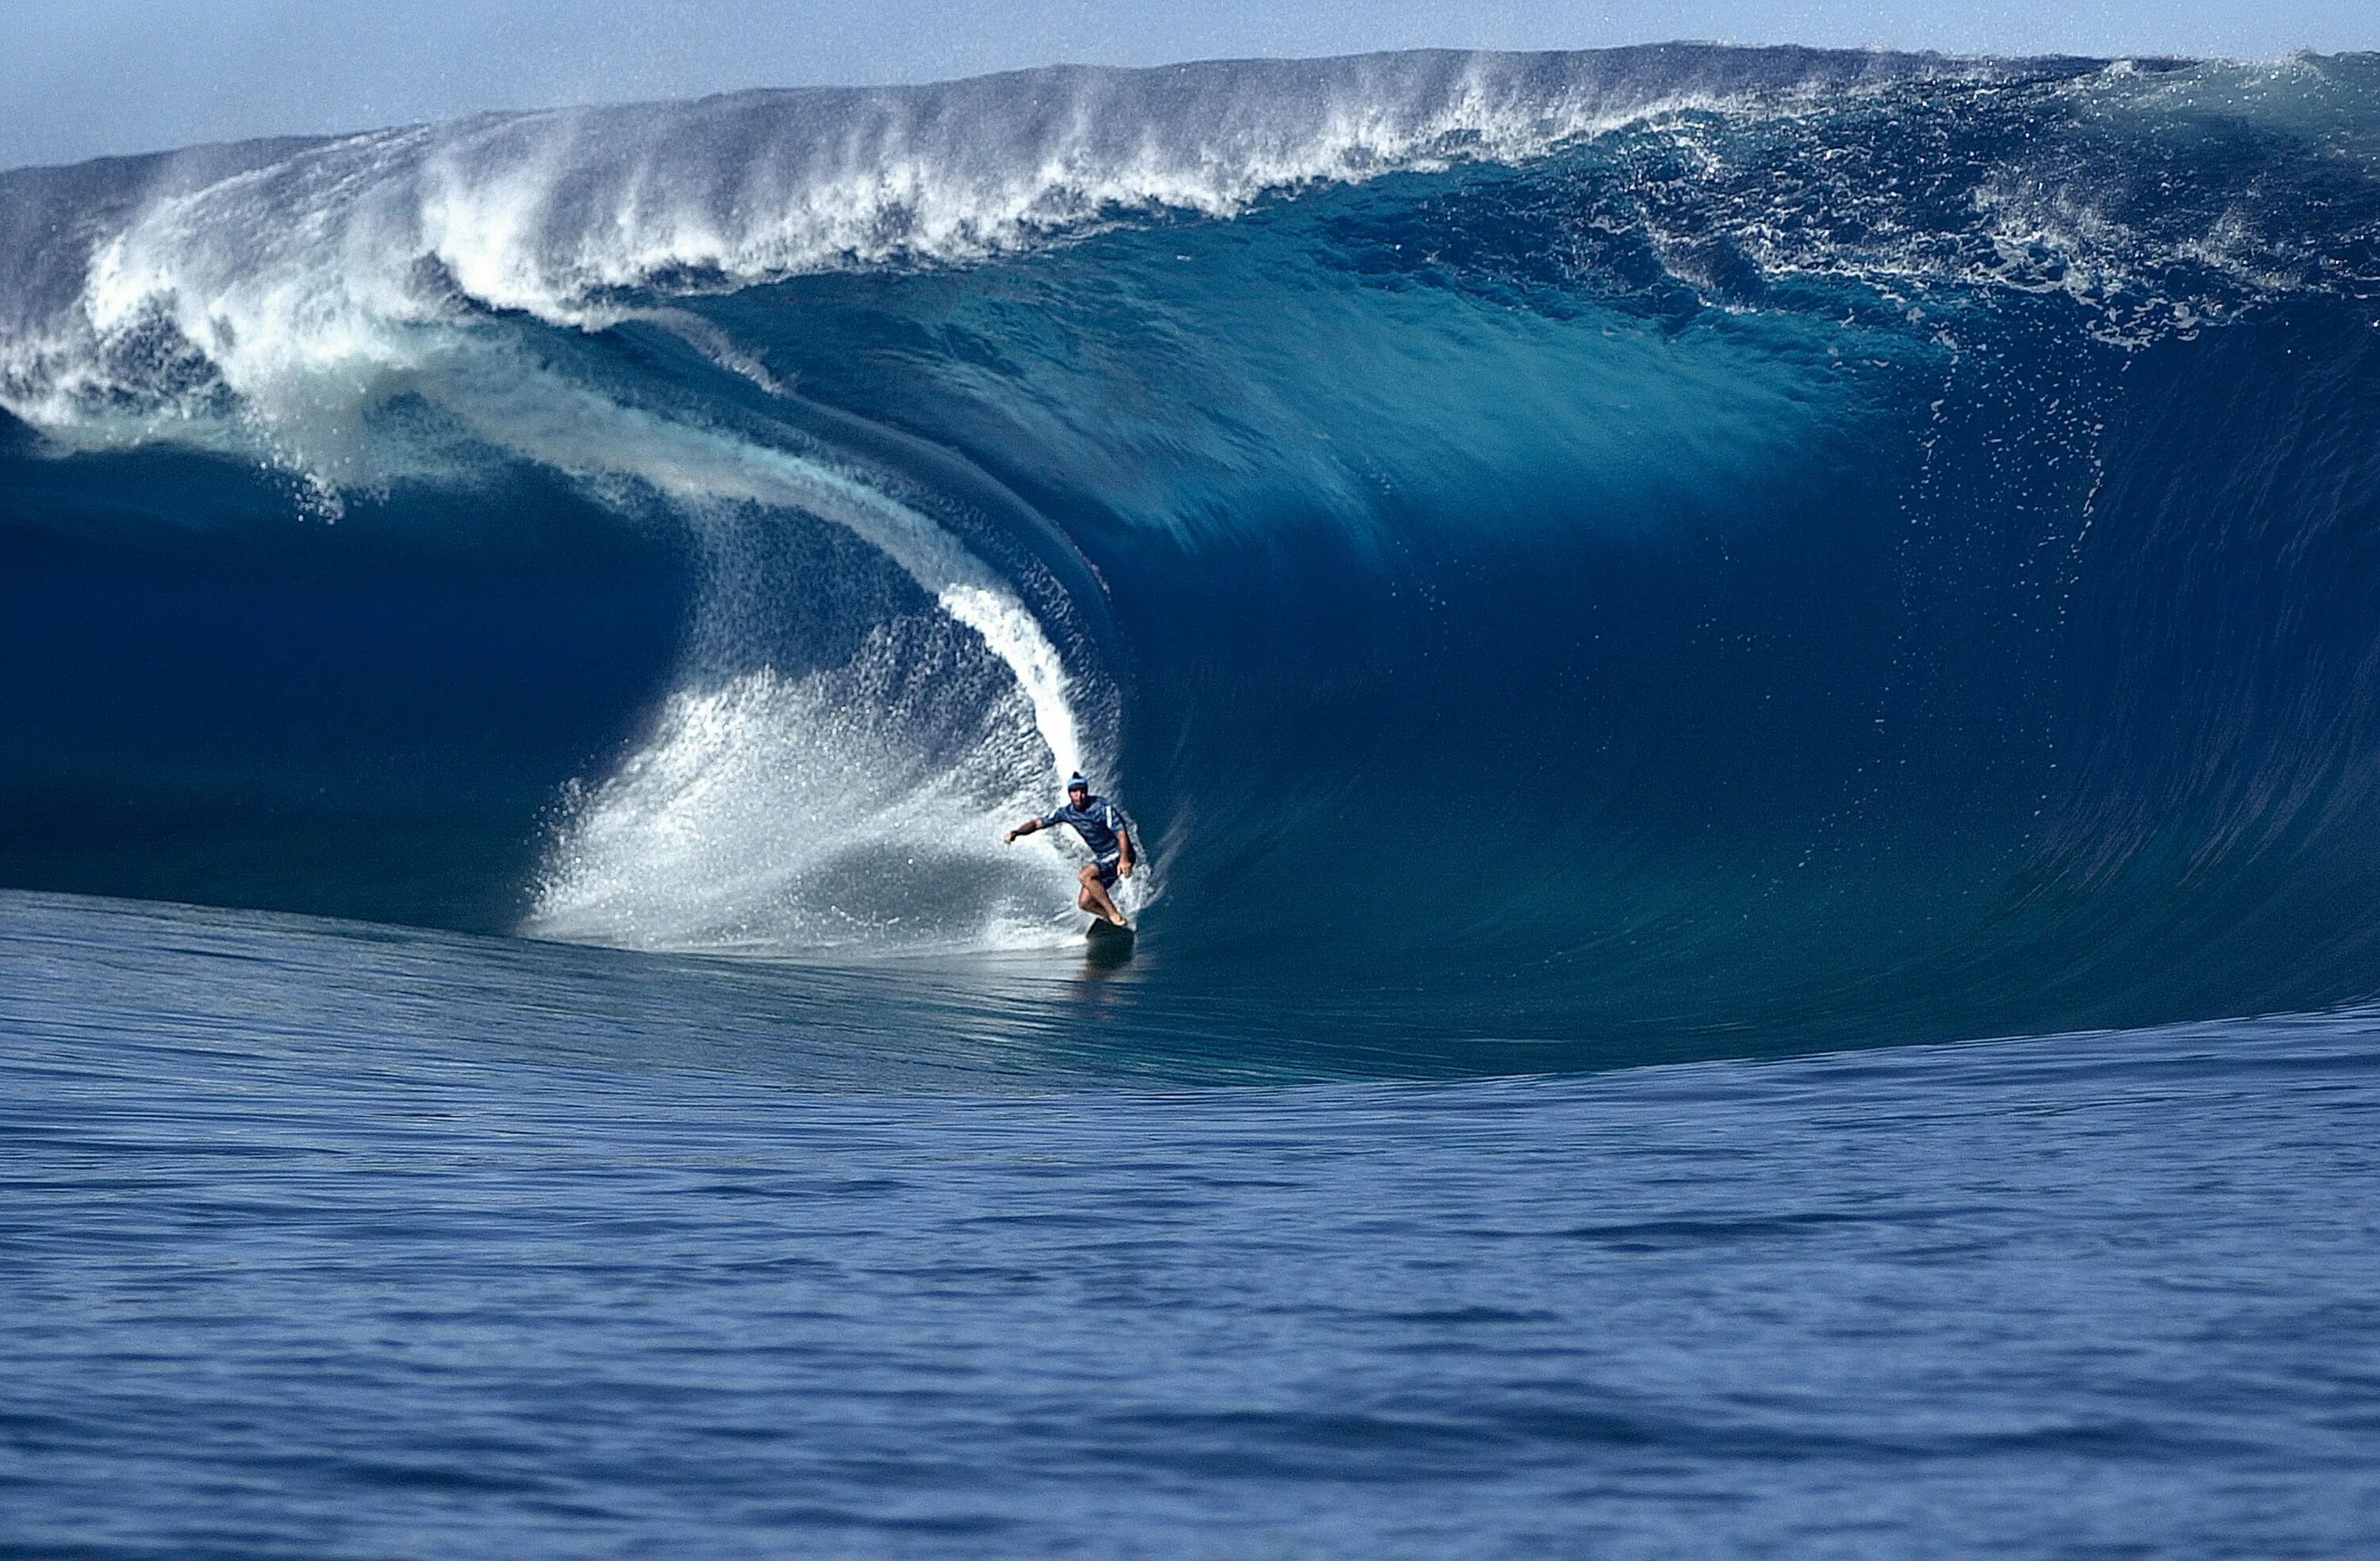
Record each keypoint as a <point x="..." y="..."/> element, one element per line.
<point x="1750" y="681"/>
<point x="329" y="1240"/>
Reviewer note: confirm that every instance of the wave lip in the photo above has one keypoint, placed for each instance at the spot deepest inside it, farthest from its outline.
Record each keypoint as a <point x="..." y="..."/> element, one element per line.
<point x="180" y="279"/>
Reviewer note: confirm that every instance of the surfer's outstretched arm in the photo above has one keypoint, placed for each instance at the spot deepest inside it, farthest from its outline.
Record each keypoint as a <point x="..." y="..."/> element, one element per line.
<point x="1031" y="826"/>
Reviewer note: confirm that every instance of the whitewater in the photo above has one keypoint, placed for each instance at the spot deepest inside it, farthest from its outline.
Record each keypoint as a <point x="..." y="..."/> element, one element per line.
<point x="1747" y="679"/>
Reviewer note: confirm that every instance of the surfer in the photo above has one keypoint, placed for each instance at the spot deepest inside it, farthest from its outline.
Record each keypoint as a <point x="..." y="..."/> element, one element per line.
<point x="1109" y="834"/>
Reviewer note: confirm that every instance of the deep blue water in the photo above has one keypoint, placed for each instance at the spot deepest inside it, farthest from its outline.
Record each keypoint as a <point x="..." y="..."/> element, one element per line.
<point x="335" y="1240"/>
<point x="1772" y="547"/>
<point x="1644" y="604"/>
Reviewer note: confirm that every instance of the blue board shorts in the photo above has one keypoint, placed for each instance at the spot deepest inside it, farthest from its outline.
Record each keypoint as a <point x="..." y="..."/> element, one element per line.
<point x="1107" y="866"/>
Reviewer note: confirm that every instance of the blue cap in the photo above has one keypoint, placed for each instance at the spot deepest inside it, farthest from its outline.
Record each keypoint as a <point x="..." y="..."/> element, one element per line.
<point x="1077" y="779"/>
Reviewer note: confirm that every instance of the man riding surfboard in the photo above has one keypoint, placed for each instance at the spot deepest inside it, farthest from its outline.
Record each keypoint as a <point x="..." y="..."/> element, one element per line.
<point x="1105" y="830"/>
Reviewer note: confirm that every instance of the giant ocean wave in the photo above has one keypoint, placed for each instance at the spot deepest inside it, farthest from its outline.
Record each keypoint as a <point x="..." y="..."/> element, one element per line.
<point x="1727" y="542"/>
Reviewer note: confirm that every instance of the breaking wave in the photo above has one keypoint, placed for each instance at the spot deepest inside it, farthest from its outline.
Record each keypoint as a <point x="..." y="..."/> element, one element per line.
<point x="1684" y="539"/>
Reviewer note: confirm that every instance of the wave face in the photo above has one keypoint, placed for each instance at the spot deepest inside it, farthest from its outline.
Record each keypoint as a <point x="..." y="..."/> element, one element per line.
<point x="1763" y="545"/>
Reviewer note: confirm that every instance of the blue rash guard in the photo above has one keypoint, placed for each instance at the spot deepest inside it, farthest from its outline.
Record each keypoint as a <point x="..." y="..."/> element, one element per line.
<point x="1102" y="825"/>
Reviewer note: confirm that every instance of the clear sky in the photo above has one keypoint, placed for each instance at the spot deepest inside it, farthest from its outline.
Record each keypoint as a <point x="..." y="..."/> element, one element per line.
<point x="82" y="78"/>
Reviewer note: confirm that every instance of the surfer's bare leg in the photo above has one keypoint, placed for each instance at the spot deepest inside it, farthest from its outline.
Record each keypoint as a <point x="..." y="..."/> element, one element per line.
<point x="1095" y="898"/>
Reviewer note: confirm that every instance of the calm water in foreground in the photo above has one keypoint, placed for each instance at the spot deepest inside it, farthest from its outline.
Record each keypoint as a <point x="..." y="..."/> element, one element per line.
<point x="324" y="1241"/>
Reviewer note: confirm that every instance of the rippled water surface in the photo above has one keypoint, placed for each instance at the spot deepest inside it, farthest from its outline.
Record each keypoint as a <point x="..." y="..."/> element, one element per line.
<point x="327" y="1240"/>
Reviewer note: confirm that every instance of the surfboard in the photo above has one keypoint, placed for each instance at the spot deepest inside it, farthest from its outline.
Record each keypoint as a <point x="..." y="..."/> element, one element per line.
<point x="1108" y="939"/>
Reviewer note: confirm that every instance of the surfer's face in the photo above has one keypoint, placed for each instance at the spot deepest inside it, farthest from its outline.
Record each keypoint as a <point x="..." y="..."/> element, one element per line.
<point x="1078" y="795"/>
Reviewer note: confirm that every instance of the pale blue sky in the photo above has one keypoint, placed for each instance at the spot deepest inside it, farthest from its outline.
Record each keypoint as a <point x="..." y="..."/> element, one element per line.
<point x="82" y="78"/>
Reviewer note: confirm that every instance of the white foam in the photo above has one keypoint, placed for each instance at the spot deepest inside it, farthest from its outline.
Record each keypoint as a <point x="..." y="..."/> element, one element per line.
<point x="298" y="286"/>
<point x="301" y="287"/>
<point x="854" y="809"/>
<point x="771" y="813"/>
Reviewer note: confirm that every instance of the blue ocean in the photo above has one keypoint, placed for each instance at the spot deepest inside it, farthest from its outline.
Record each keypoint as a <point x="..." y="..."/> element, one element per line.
<point x="1749" y="686"/>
